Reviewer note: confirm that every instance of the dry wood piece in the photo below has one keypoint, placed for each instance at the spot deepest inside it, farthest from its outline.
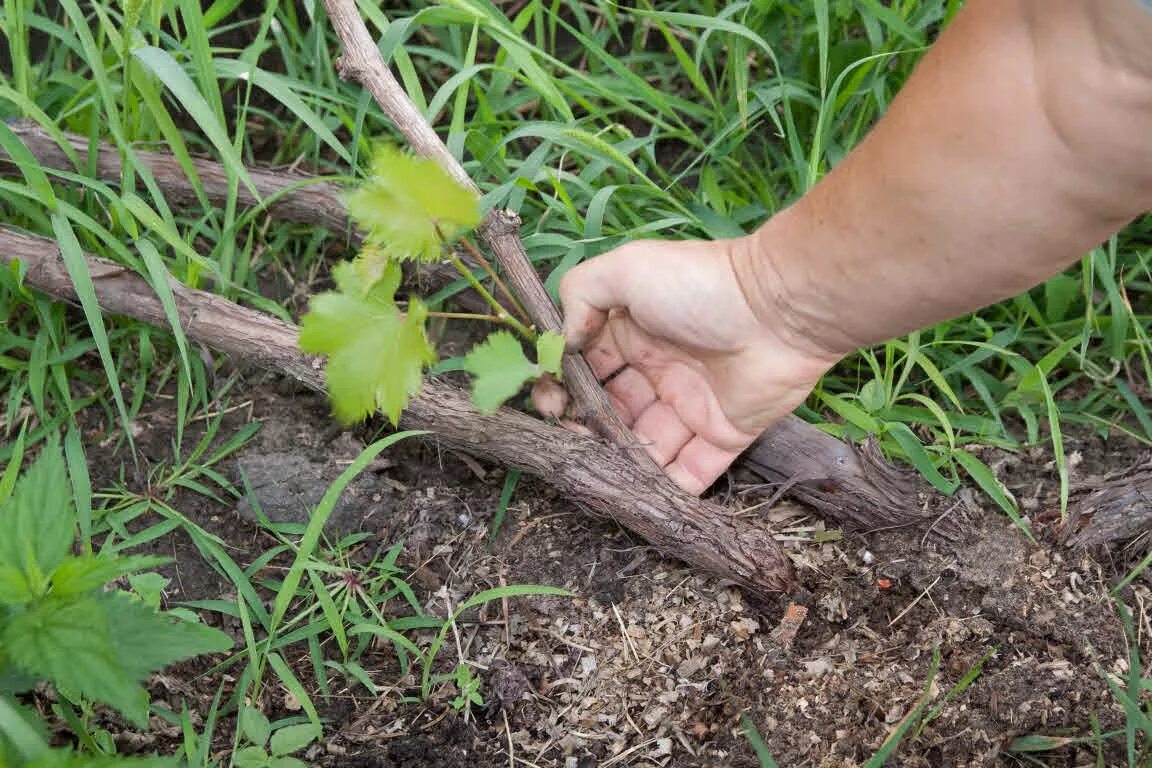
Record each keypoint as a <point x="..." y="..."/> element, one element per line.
<point x="1114" y="508"/>
<point x="294" y="196"/>
<point x="855" y="486"/>
<point x="284" y="194"/>
<point x="858" y="488"/>
<point x="585" y="470"/>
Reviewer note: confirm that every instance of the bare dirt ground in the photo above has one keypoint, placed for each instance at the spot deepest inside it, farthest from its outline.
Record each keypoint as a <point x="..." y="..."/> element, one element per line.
<point x="650" y="664"/>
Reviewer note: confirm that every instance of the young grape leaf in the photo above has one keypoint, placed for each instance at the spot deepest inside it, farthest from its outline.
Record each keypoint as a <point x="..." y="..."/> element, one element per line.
<point x="550" y="352"/>
<point x="410" y="205"/>
<point x="376" y="353"/>
<point x="499" y="368"/>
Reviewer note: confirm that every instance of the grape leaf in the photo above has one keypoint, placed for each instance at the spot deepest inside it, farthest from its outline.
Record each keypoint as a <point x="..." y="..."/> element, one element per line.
<point x="409" y="205"/>
<point x="499" y="368"/>
<point x="376" y="353"/>
<point x="550" y="352"/>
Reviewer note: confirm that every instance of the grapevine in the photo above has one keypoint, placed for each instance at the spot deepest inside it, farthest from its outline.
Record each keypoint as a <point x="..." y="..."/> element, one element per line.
<point x="411" y="209"/>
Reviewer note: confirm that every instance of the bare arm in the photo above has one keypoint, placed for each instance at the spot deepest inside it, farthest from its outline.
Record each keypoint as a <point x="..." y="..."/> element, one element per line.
<point x="1023" y="139"/>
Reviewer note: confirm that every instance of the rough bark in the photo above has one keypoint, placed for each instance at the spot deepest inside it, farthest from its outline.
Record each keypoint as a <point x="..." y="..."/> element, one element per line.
<point x="284" y="194"/>
<point x="362" y="62"/>
<point x="857" y="488"/>
<point x="854" y="486"/>
<point x="1113" y="508"/>
<point x="287" y="194"/>
<point x="588" y="471"/>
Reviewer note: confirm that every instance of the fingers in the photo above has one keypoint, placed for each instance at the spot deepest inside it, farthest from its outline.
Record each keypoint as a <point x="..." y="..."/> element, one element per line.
<point x="589" y="291"/>
<point x="698" y="465"/>
<point x="631" y="394"/>
<point x="661" y="432"/>
<point x="549" y="397"/>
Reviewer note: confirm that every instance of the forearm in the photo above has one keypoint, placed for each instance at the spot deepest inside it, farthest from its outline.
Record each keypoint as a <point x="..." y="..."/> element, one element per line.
<point x="1023" y="139"/>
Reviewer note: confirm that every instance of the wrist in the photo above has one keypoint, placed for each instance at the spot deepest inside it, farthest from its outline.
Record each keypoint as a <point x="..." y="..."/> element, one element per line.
<point x="784" y="295"/>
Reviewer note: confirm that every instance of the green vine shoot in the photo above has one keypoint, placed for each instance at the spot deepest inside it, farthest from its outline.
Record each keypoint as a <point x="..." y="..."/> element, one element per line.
<point x="411" y="209"/>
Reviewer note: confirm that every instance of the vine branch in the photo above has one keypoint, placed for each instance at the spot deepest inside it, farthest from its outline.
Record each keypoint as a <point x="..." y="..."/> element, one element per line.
<point x="858" y="488"/>
<point x="703" y="534"/>
<point x="362" y="62"/>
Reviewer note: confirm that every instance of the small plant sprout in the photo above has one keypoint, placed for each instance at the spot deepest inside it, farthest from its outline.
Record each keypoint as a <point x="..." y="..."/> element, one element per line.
<point x="410" y="209"/>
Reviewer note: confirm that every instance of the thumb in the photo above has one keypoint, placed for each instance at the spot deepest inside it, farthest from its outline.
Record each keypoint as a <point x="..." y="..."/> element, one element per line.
<point x="589" y="291"/>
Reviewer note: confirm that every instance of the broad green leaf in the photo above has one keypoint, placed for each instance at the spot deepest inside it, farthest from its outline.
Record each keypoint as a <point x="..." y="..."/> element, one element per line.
<point x="293" y="738"/>
<point x="14" y="586"/>
<point x="89" y="572"/>
<point x="284" y="761"/>
<point x="410" y="205"/>
<point x="70" y="643"/>
<point x="376" y="353"/>
<point x="499" y="368"/>
<point x="149" y="587"/>
<point x="100" y="646"/>
<point x="250" y="757"/>
<point x="147" y="640"/>
<point x="550" y="352"/>
<point x="255" y="726"/>
<point x="37" y="519"/>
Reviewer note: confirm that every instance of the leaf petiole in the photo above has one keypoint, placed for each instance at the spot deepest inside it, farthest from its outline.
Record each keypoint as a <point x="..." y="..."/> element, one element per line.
<point x="466" y="316"/>
<point x="475" y="253"/>
<point x="501" y="313"/>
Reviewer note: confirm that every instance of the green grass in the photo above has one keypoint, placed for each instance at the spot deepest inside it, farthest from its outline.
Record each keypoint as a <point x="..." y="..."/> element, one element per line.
<point x="598" y="122"/>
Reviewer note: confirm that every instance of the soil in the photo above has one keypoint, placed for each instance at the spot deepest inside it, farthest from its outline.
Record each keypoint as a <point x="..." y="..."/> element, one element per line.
<point x="648" y="663"/>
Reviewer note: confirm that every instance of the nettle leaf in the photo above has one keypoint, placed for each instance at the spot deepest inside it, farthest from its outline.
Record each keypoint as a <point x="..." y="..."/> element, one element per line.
<point x="100" y="646"/>
<point x="88" y="572"/>
<point x="69" y="642"/>
<point x="499" y="368"/>
<point x="38" y="522"/>
<point x="410" y="205"/>
<point x="376" y="353"/>
<point x="550" y="352"/>
<point x="14" y="586"/>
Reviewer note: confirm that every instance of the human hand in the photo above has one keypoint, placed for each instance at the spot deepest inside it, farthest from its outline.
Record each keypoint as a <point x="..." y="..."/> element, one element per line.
<point x="690" y="365"/>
